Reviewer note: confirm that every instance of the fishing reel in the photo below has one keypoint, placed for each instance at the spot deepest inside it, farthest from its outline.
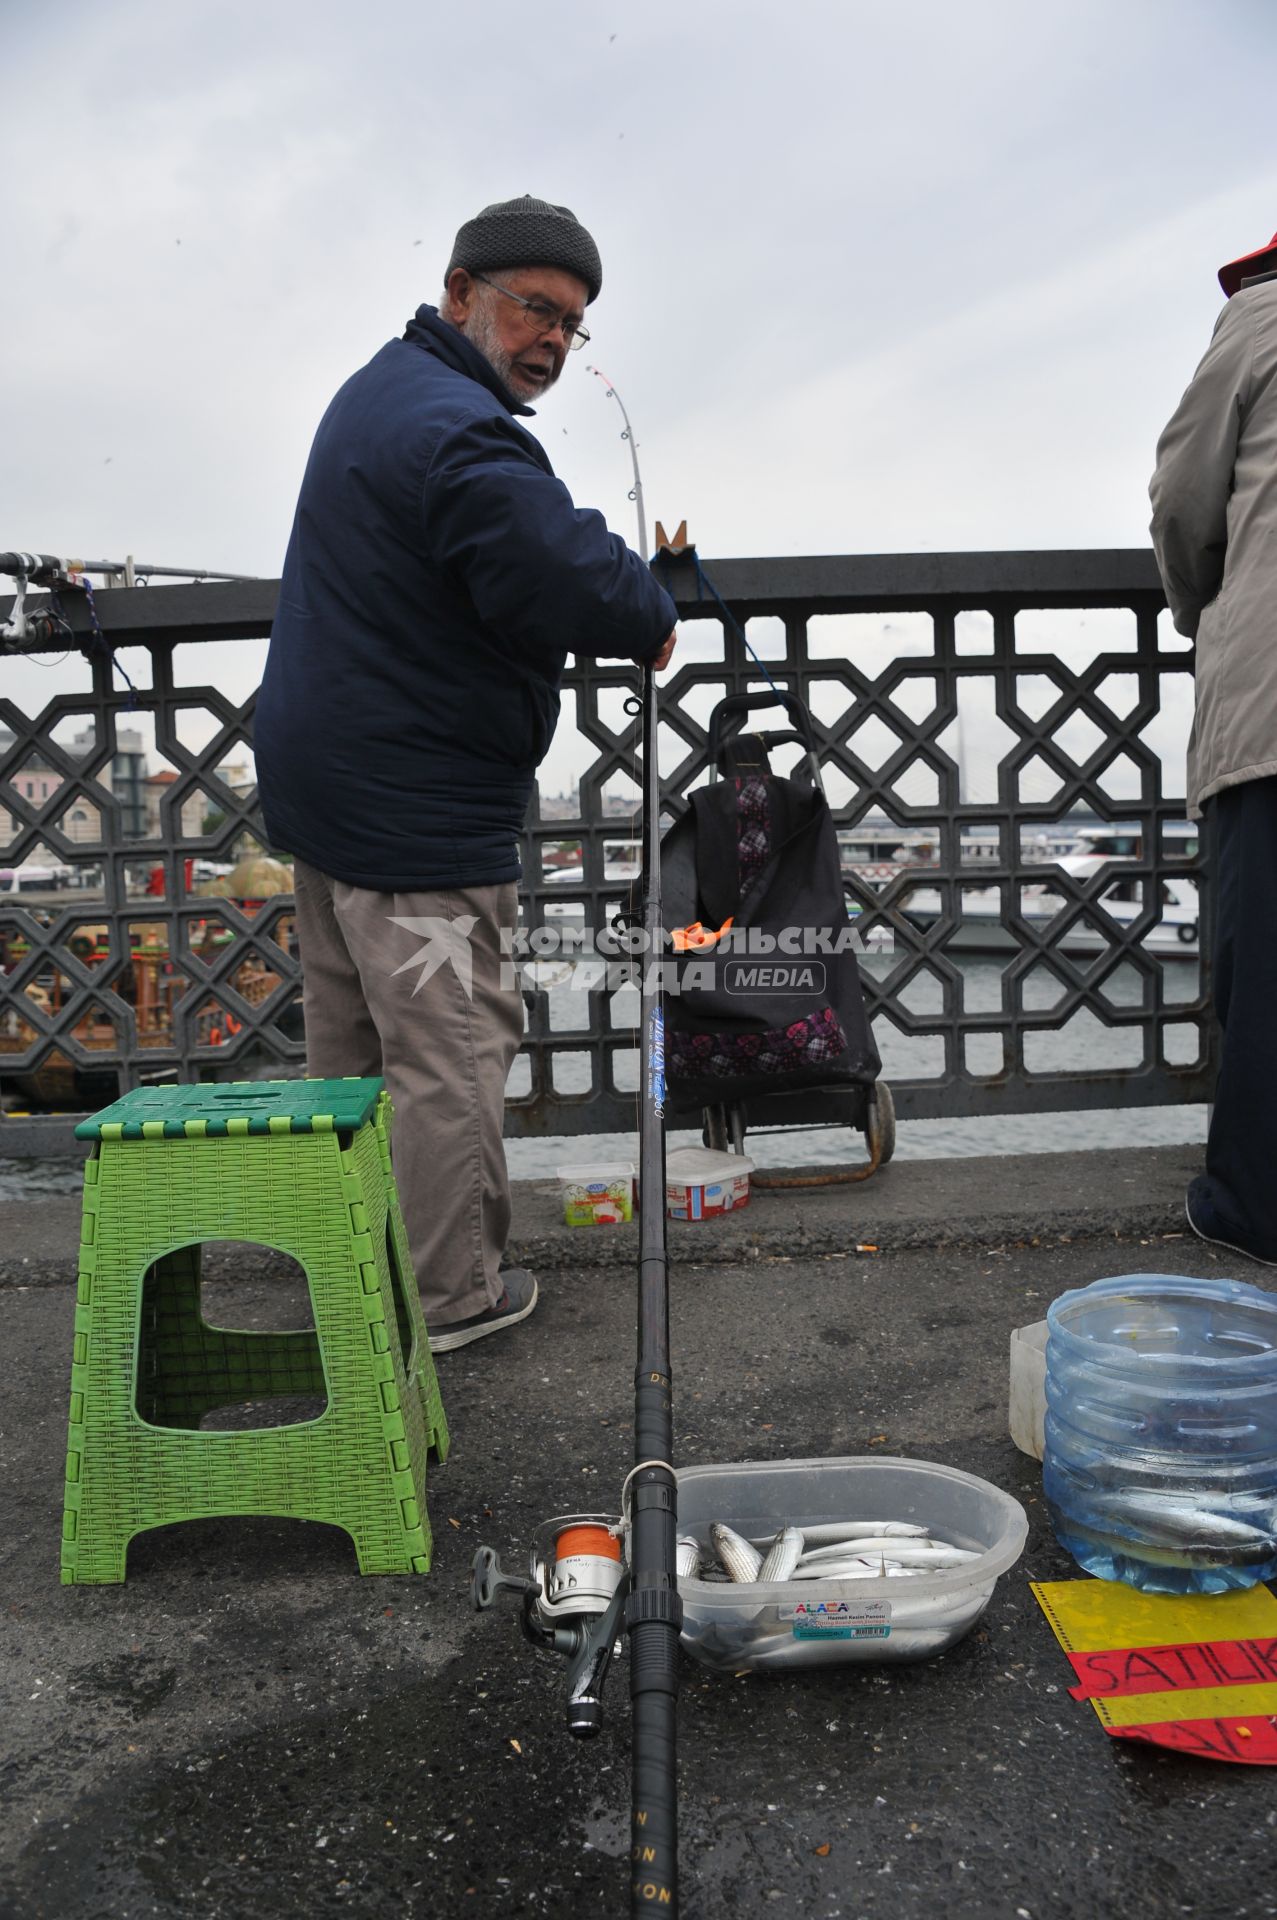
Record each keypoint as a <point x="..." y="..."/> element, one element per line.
<point x="573" y="1602"/>
<point x="36" y="626"/>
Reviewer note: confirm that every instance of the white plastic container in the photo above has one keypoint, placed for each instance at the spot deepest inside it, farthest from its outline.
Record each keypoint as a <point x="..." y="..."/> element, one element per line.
<point x="600" y="1194"/>
<point x="816" y="1623"/>
<point x="701" y="1184"/>
<point x="1026" y="1408"/>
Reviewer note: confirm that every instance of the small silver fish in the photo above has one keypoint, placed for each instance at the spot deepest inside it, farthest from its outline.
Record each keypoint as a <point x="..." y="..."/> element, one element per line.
<point x="881" y="1543"/>
<point x="828" y="1531"/>
<point x="854" y="1567"/>
<point x="782" y="1556"/>
<point x="925" y="1558"/>
<point x="1171" y="1529"/>
<point x="740" y="1559"/>
<point x="687" y="1559"/>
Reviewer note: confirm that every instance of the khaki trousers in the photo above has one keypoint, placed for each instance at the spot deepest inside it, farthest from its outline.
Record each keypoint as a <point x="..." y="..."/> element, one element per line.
<point x="445" y="1053"/>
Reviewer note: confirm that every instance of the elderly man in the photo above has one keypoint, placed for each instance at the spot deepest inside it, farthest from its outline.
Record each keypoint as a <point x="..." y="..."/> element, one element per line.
<point x="437" y="576"/>
<point x="1215" y="532"/>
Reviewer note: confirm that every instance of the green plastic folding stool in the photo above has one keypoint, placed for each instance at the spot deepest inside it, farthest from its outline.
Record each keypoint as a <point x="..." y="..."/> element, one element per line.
<point x="298" y="1165"/>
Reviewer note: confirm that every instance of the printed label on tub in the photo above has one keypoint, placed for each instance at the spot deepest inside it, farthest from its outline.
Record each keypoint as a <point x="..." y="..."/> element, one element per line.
<point x="602" y="1198"/>
<point x="839" y="1619"/>
<point x="700" y="1183"/>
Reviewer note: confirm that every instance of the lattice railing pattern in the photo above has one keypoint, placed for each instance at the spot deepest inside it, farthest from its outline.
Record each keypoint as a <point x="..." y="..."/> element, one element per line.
<point x="970" y="704"/>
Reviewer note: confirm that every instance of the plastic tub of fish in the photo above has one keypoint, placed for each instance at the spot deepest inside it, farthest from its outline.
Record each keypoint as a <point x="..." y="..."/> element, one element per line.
<point x="831" y="1619"/>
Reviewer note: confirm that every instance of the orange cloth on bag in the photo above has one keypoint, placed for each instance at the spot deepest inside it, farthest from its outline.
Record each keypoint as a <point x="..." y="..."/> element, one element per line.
<point x="692" y="939"/>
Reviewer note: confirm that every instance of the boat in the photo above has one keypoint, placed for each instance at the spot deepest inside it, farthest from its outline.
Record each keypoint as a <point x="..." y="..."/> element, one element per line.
<point x="152" y="984"/>
<point x="1082" y="851"/>
<point x="37" y="877"/>
<point x="982" y="928"/>
<point x="622" y="864"/>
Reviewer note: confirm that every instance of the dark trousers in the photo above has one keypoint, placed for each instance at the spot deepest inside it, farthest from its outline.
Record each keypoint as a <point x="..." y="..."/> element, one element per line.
<point x="1240" y="1186"/>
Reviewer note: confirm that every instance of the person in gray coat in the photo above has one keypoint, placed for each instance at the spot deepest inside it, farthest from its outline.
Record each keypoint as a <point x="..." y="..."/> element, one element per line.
<point x="1214" y="495"/>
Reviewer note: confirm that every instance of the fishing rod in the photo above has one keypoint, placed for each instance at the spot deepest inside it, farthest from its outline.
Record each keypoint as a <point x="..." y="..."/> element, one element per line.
<point x="52" y="571"/>
<point x="636" y="491"/>
<point x="596" y="1576"/>
<point x="654" y="1611"/>
<point x="47" y="569"/>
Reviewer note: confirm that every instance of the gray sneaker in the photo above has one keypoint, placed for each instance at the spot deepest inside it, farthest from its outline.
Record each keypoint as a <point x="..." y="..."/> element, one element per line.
<point x="515" y="1304"/>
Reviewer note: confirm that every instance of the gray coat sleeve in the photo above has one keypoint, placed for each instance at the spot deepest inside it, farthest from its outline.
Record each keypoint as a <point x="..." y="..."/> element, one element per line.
<point x="1193" y="479"/>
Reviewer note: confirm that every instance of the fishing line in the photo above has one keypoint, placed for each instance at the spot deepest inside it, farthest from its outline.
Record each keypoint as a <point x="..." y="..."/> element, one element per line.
<point x="703" y="581"/>
<point x="87" y="587"/>
<point x="633" y="705"/>
<point x="625" y="1521"/>
<point x="57" y="619"/>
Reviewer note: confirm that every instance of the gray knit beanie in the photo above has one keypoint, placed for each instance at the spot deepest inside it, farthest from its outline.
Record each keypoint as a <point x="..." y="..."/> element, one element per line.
<point x="528" y="233"/>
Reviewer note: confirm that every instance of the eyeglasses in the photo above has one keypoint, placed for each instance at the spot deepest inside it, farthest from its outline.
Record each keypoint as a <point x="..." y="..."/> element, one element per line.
<point x="541" y="316"/>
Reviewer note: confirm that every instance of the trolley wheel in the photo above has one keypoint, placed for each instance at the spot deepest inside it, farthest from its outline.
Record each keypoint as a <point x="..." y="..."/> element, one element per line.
<point x="880" y="1124"/>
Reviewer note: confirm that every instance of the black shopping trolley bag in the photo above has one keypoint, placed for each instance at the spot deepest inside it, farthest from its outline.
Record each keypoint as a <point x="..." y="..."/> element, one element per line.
<point x="767" y="992"/>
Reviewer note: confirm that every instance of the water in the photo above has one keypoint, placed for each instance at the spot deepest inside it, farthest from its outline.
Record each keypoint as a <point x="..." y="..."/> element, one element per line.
<point x="35" y="1179"/>
<point x="1110" y="1555"/>
<point x="1160" y="1467"/>
<point x="1084" y="1043"/>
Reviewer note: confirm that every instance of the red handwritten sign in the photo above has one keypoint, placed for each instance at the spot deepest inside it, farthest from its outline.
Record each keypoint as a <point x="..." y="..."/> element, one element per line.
<point x="1119" y="1671"/>
<point x="1196" y="1673"/>
<point x="1250" y="1739"/>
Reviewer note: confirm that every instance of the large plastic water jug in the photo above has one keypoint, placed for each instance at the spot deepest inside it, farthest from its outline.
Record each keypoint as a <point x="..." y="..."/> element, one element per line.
<point x="1160" y="1466"/>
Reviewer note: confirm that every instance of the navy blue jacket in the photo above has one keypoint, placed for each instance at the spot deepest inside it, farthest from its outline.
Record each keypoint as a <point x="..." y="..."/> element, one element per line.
<point x="436" y="578"/>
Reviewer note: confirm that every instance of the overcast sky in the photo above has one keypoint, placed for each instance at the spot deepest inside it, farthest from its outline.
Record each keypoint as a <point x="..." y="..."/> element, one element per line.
<point x="877" y="277"/>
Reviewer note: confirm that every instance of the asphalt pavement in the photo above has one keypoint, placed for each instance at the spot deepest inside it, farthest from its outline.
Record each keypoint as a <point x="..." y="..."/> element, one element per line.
<point x="247" y="1727"/>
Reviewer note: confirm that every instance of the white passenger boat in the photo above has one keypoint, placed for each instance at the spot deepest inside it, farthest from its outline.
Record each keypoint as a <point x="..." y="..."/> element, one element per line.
<point x="983" y="928"/>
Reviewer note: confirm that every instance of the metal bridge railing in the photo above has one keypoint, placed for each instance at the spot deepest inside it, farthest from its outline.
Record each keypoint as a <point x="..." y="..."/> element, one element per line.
<point x="972" y="711"/>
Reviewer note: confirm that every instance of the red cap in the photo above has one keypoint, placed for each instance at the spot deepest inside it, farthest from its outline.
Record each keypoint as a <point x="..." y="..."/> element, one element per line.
<point x="1261" y="261"/>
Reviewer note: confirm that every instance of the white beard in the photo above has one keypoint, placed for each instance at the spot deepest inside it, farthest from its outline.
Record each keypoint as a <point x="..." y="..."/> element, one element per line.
<point x="481" y="332"/>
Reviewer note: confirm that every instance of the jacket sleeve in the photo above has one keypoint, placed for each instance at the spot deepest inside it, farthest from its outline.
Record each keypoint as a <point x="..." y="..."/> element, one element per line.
<point x="540" y="571"/>
<point x="1193" y="479"/>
